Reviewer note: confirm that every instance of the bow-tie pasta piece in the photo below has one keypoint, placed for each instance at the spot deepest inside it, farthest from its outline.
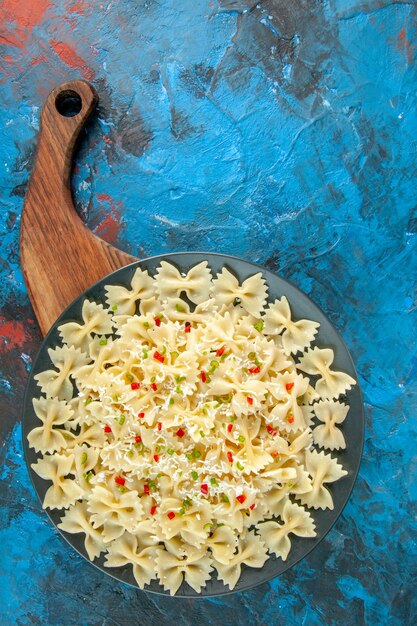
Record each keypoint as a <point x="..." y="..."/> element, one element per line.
<point x="251" y="294"/>
<point x="323" y="469"/>
<point x="251" y="552"/>
<point x="114" y="513"/>
<point x="64" y="491"/>
<point x="222" y="543"/>
<point x="126" y="551"/>
<point x="77" y="520"/>
<point x="327" y="435"/>
<point x="172" y="570"/>
<point x="123" y="301"/>
<point x="51" y="412"/>
<point x="296" y="521"/>
<point x="331" y="384"/>
<point x="297" y="335"/>
<point x="95" y="320"/>
<point x="56" y="383"/>
<point x="196" y="284"/>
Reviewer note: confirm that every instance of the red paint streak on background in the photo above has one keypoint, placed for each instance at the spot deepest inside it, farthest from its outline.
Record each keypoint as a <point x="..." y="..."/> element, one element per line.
<point x="68" y="55"/>
<point x="404" y="44"/>
<point x="18" y="18"/>
<point x="79" y="6"/>
<point x="110" y="225"/>
<point x="12" y="334"/>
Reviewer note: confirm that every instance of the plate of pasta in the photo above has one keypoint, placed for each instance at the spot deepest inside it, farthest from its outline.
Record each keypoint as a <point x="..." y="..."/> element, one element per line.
<point x="193" y="424"/>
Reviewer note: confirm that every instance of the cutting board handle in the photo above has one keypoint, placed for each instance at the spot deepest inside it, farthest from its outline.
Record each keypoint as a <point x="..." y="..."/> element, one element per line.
<point x="60" y="256"/>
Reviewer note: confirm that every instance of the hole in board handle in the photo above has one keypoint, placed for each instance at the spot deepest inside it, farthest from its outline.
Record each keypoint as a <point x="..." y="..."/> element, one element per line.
<point x="68" y="103"/>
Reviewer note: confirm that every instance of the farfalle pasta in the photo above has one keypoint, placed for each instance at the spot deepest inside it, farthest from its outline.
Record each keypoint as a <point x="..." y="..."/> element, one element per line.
<point x="177" y="426"/>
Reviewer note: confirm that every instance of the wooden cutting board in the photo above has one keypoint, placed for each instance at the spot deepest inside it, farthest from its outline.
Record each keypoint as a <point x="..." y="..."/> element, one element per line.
<point x="60" y="256"/>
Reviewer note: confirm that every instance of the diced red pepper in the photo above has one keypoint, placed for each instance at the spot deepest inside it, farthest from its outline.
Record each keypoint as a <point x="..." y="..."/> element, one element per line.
<point x="138" y="439"/>
<point x="153" y="509"/>
<point x="241" y="498"/>
<point x="146" y="489"/>
<point x="230" y="457"/>
<point x="159" y="425"/>
<point x="159" y="357"/>
<point x="157" y="321"/>
<point x="180" y="433"/>
<point x="252" y="506"/>
<point x="274" y="453"/>
<point x="229" y="428"/>
<point x="204" y="489"/>
<point x="171" y="515"/>
<point x="290" y="419"/>
<point x="119" y="480"/>
<point x="221" y="350"/>
<point x="107" y="429"/>
<point x="135" y="386"/>
<point x="187" y="327"/>
<point x="250" y="400"/>
<point x="153" y="386"/>
<point x="254" y="370"/>
<point x="271" y="430"/>
<point x="141" y="415"/>
<point x="289" y="386"/>
<point x="203" y="376"/>
<point x="156" y="458"/>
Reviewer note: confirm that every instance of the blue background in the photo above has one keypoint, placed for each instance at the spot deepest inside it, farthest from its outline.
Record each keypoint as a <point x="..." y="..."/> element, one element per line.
<point x="282" y="132"/>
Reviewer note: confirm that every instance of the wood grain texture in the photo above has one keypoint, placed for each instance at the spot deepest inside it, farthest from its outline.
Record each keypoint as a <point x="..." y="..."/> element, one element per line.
<point x="60" y="256"/>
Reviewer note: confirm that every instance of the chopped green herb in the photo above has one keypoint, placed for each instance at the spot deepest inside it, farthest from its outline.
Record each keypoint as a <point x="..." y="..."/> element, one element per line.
<point x="201" y="433"/>
<point x="214" y="482"/>
<point x="289" y="485"/>
<point x="179" y="379"/>
<point x="130" y="453"/>
<point x="103" y="342"/>
<point x="157" y="449"/>
<point x="84" y="458"/>
<point x="252" y="355"/>
<point x="194" y="475"/>
<point x="221" y="524"/>
<point x="224" y="497"/>
<point x="187" y="502"/>
<point x="122" y="489"/>
<point x="87" y="475"/>
<point x="88" y="400"/>
<point x="239" y="466"/>
<point x="146" y="324"/>
<point x="178" y="390"/>
<point x="152" y="485"/>
<point x="114" y="307"/>
<point x="233" y="419"/>
<point x="164" y="350"/>
<point x="116" y="398"/>
<point x="122" y="420"/>
<point x="182" y="511"/>
<point x="174" y="354"/>
<point x="205" y="410"/>
<point x="241" y="439"/>
<point x="170" y="451"/>
<point x="153" y="379"/>
<point x="189" y="456"/>
<point x="179" y="308"/>
<point x="129" y="378"/>
<point x="214" y="365"/>
<point x="145" y="353"/>
<point x="208" y="525"/>
<point x="171" y="401"/>
<point x="259" y="325"/>
<point x="196" y="454"/>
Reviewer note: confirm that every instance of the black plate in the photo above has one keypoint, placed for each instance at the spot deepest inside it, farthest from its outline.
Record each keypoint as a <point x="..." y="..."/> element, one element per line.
<point x="353" y="427"/>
